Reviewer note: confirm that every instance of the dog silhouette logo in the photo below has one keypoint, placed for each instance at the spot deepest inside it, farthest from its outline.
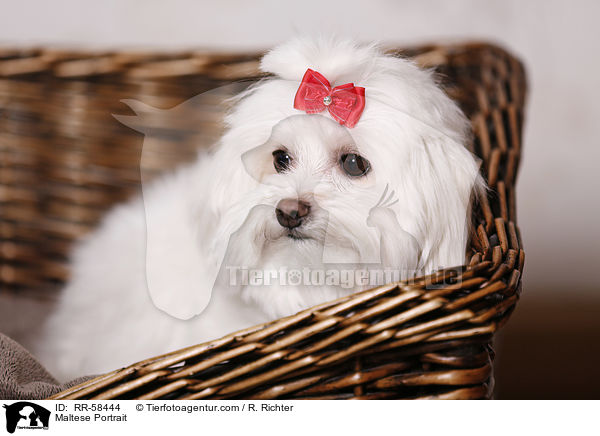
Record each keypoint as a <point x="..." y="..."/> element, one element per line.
<point x="186" y="123"/>
<point x="26" y="415"/>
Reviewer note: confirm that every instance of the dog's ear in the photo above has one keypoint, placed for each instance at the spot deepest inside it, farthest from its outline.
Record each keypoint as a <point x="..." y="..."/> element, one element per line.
<point x="455" y="180"/>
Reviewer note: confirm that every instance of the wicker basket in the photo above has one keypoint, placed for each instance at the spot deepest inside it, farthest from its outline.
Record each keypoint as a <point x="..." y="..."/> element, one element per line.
<point x="65" y="160"/>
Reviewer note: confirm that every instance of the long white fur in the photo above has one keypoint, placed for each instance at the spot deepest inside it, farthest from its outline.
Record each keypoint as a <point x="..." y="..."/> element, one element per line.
<point x="222" y="207"/>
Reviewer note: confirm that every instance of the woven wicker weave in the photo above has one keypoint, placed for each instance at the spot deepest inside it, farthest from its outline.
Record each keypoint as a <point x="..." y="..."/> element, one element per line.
<point x="65" y="160"/>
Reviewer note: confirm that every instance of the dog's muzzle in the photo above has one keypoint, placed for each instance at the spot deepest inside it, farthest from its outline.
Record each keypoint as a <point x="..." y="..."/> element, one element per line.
<point x="291" y="213"/>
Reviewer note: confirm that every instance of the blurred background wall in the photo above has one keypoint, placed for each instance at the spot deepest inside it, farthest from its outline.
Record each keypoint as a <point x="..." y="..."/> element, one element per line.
<point x="551" y="347"/>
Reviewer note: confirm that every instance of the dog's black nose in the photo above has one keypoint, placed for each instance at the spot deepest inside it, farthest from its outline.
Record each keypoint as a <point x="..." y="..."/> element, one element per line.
<point x="291" y="212"/>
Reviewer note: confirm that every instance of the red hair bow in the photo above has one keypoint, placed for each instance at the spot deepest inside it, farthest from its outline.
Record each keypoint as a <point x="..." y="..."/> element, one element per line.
<point x="345" y="102"/>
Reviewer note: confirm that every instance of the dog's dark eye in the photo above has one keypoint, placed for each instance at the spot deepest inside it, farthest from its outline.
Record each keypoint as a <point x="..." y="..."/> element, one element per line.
<point x="281" y="160"/>
<point x="355" y="165"/>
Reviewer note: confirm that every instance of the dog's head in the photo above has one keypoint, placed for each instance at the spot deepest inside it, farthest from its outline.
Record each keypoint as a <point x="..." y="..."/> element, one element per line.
<point x="300" y="189"/>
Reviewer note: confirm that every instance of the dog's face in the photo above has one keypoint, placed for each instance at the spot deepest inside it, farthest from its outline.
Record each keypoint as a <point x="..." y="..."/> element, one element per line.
<point x="317" y="200"/>
<point x="319" y="183"/>
<point x="300" y="191"/>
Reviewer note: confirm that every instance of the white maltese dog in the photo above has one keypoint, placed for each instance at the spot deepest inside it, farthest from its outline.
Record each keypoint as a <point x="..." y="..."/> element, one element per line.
<point x="345" y="170"/>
